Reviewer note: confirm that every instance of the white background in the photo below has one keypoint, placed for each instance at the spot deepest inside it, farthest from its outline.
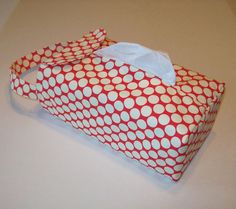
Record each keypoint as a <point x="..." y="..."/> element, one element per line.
<point x="45" y="164"/>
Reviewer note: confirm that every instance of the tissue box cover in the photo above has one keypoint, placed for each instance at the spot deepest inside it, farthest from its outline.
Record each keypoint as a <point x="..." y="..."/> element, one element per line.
<point x="133" y="111"/>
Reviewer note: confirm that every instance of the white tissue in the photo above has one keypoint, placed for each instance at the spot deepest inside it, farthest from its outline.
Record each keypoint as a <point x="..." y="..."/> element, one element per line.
<point x="155" y="62"/>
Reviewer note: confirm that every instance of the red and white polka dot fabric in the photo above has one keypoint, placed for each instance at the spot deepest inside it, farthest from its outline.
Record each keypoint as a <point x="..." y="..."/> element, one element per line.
<point x="132" y="111"/>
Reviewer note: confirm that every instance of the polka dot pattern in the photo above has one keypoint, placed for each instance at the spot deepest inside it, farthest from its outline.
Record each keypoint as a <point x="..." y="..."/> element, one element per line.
<point x="57" y="54"/>
<point x="126" y="108"/>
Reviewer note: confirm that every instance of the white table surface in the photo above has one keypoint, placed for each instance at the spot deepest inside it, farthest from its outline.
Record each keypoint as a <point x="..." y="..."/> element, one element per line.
<point x="45" y="164"/>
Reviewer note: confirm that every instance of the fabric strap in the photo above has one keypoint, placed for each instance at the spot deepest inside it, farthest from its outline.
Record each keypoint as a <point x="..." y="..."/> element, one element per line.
<point x="56" y="54"/>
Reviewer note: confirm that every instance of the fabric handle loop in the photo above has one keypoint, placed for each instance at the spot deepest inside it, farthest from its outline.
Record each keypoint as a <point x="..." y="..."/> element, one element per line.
<point x="56" y="54"/>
